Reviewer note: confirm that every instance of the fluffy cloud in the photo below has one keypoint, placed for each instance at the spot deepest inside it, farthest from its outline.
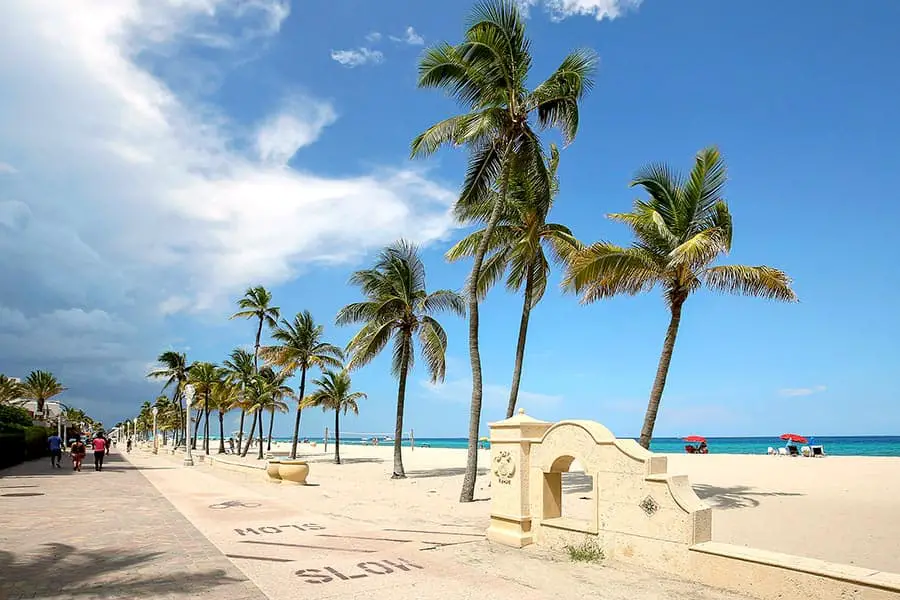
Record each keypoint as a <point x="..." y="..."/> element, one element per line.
<point x="373" y="37"/>
<point x="135" y="197"/>
<point x="7" y="169"/>
<point x="599" y="9"/>
<point x="409" y="37"/>
<point x="355" y="58"/>
<point x="808" y="391"/>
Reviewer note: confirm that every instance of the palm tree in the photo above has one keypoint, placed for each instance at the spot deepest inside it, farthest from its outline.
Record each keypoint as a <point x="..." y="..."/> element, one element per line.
<point x="40" y="386"/>
<point x="205" y="376"/>
<point x="398" y="306"/>
<point x="224" y="396"/>
<point x="300" y="346"/>
<point x="263" y="392"/>
<point x="10" y="389"/>
<point x="280" y="391"/>
<point x="518" y="249"/>
<point x="174" y="369"/>
<point x="488" y="73"/>
<point x="255" y="305"/>
<point x="240" y="369"/>
<point x="334" y="394"/>
<point x="680" y="230"/>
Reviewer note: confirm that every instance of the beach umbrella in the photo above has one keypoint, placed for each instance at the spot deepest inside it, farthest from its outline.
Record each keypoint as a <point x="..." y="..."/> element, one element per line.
<point x="793" y="437"/>
<point x="695" y="438"/>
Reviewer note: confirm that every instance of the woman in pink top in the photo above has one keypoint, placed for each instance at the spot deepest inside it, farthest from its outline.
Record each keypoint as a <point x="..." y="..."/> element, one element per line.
<point x="99" y="445"/>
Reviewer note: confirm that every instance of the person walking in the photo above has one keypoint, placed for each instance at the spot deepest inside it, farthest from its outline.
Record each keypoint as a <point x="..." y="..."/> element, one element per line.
<point x="78" y="451"/>
<point x="55" y="444"/>
<point x="99" y="445"/>
<point x="128" y="445"/>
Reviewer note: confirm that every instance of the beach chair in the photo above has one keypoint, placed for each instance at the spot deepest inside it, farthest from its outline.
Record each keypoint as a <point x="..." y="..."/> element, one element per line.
<point x="805" y="451"/>
<point x="817" y="451"/>
<point x="794" y="451"/>
<point x="782" y="452"/>
<point x="690" y="449"/>
<point x="771" y="451"/>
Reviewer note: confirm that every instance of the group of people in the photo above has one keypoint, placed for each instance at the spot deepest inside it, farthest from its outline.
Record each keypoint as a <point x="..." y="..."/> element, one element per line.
<point x="78" y="449"/>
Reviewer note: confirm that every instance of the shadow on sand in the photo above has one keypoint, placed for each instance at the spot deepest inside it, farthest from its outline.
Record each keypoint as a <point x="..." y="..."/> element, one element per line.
<point x="739" y="496"/>
<point x="446" y="472"/>
<point x="107" y="573"/>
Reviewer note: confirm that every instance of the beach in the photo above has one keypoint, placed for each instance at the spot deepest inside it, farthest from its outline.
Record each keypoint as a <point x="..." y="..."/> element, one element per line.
<point x="840" y="509"/>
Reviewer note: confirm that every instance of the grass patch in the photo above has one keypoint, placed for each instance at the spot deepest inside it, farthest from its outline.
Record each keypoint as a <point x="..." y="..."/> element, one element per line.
<point x="587" y="551"/>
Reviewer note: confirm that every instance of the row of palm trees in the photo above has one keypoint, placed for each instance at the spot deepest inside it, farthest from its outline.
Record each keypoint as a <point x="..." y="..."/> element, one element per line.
<point x="680" y="228"/>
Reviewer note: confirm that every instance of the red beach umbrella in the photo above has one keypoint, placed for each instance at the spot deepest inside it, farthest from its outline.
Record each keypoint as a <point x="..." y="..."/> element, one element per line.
<point x="793" y="437"/>
<point x="695" y="438"/>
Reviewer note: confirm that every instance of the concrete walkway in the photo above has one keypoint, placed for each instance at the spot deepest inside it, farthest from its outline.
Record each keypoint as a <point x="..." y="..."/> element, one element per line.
<point x="104" y="535"/>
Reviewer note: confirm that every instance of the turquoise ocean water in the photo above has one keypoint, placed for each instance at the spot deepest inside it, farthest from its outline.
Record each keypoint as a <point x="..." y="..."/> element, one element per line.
<point x="835" y="446"/>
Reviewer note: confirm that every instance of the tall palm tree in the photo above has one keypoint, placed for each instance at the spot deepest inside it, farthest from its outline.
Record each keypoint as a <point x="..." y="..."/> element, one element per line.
<point x="205" y="376"/>
<point x="40" y="386"/>
<point x="398" y="306"/>
<point x="256" y="305"/>
<point x="487" y="73"/>
<point x="334" y="393"/>
<point x="681" y="228"/>
<point x="263" y="392"/>
<point x="240" y="369"/>
<point x="280" y="391"/>
<point x="174" y="369"/>
<point x="10" y="389"/>
<point x="517" y="248"/>
<point x="300" y="347"/>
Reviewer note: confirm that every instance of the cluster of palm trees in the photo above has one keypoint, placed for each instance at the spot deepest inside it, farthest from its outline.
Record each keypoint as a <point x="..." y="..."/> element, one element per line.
<point x="680" y="228"/>
<point x="39" y="387"/>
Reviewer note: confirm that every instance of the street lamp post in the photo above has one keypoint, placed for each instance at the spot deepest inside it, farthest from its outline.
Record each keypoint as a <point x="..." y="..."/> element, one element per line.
<point x="155" y="443"/>
<point x="189" y="392"/>
<point x="134" y="426"/>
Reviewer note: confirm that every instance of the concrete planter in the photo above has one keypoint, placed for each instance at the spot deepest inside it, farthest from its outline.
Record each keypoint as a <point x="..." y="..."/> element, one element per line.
<point x="272" y="469"/>
<point x="293" y="472"/>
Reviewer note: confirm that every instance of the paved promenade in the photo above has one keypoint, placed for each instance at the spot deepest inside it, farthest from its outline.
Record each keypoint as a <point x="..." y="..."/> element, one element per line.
<point x="150" y="528"/>
<point x="104" y="535"/>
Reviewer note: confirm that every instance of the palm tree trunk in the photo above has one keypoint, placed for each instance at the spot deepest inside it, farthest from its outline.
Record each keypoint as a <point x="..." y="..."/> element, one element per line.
<point x="199" y="417"/>
<point x="399" y="473"/>
<point x="241" y="430"/>
<point x="662" y="371"/>
<point x="520" y="346"/>
<point x="299" y="411"/>
<point x="206" y="422"/>
<point x="337" y="437"/>
<point x="467" y="494"/>
<point x="222" y="432"/>
<point x="261" y="438"/>
<point x="271" y="422"/>
<point x="250" y="436"/>
<point x="256" y="349"/>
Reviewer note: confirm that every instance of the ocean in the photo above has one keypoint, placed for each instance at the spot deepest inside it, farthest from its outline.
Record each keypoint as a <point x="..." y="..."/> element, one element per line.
<point x="835" y="446"/>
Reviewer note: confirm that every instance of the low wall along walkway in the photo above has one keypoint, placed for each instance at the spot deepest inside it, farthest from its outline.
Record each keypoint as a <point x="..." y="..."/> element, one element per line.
<point x="641" y="514"/>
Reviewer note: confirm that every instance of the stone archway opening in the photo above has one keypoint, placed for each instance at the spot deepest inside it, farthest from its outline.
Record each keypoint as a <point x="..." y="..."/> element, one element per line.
<point x="569" y="494"/>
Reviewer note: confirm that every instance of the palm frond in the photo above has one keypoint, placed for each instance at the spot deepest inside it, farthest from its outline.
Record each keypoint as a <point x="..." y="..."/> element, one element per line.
<point x="445" y="301"/>
<point x="556" y="99"/>
<point x="602" y="270"/>
<point x="759" y="281"/>
<point x="434" y="348"/>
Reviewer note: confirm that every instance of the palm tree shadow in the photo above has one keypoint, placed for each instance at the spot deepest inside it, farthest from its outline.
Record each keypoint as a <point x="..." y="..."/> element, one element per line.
<point x="107" y="573"/>
<point x="739" y="496"/>
<point x="446" y="472"/>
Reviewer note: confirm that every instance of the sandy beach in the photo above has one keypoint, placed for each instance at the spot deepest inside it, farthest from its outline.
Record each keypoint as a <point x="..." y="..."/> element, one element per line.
<point x="841" y="509"/>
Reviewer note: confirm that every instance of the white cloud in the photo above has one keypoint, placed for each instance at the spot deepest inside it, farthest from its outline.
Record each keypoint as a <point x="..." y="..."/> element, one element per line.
<point x="8" y="169"/>
<point x="143" y="197"/>
<point x="599" y="9"/>
<point x="373" y="37"/>
<point x="299" y="124"/>
<point x="355" y="58"/>
<point x="808" y="391"/>
<point x="410" y="37"/>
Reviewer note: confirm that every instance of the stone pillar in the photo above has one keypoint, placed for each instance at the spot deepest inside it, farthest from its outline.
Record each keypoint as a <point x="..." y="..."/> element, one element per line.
<point x="511" y="442"/>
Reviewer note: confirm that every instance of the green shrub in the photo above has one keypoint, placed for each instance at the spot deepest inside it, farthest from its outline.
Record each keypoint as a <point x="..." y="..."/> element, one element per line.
<point x="587" y="551"/>
<point x="14" y="415"/>
<point x="36" y="442"/>
<point x="12" y="447"/>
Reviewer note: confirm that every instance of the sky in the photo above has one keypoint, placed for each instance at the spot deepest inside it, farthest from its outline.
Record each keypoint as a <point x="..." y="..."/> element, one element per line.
<point x="159" y="156"/>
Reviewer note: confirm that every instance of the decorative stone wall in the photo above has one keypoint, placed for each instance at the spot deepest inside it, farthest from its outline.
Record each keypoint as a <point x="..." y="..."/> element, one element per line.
<point x="639" y="512"/>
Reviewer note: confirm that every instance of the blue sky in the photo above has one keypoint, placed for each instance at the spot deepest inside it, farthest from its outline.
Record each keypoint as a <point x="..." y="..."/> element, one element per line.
<point x="158" y="157"/>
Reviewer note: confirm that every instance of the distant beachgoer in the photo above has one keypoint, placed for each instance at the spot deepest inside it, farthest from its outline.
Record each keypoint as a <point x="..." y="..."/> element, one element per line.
<point x="78" y="451"/>
<point x="108" y="444"/>
<point x="128" y="445"/>
<point x="55" y="444"/>
<point x="99" y="445"/>
<point x="702" y="449"/>
<point x="231" y="445"/>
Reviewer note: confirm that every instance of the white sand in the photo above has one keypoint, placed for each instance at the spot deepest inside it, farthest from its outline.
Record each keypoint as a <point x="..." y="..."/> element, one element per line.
<point x="843" y="509"/>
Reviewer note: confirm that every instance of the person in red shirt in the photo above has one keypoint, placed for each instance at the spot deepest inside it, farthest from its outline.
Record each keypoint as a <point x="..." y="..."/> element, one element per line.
<point x="99" y="445"/>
